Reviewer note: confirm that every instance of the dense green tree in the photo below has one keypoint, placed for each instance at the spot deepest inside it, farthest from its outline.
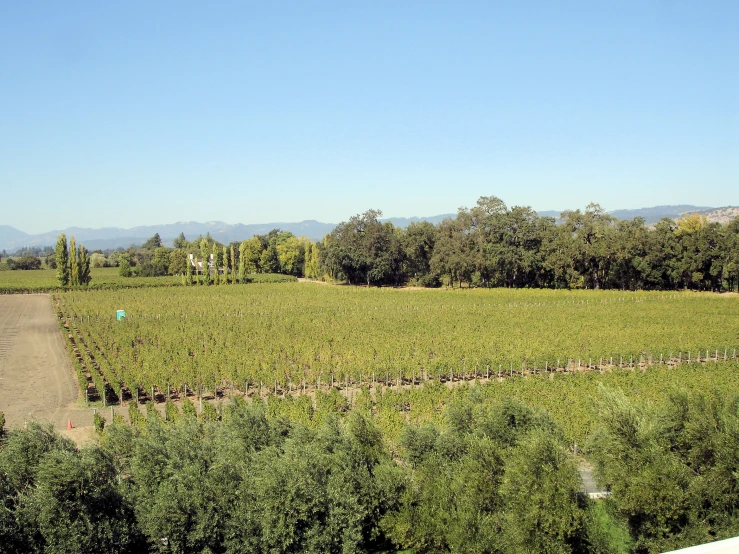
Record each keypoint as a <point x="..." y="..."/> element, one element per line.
<point x="590" y="231"/>
<point x="62" y="261"/>
<point x="178" y="262"/>
<point x="224" y="264"/>
<point x="180" y="241"/>
<point x="98" y="259"/>
<point x="418" y="242"/>
<point x="672" y="470"/>
<point x="84" y="266"/>
<point x="540" y="497"/>
<point x="50" y="261"/>
<point x="188" y="272"/>
<point x="74" y="266"/>
<point x="153" y="243"/>
<point x="365" y="251"/>
<point x="629" y="250"/>
<point x="291" y="253"/>
<point x="25" y="262"/>
<point x="454" y="255"/>
<point x="269" y="261"/>
<point x="312" y="263"/>
<point x="233" y="264"/>
<point x="250" y="255"/>
<point x="124" y="265"/>
<point x="77" y="506"/>
<point x="731" y="266"/>
<point x="467" y="484"/>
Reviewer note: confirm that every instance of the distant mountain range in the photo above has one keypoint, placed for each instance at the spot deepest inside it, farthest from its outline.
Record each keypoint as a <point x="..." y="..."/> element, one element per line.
<point x="12" y="239"/>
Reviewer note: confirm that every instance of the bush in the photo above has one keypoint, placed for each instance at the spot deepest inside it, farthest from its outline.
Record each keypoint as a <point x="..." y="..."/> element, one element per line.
<point x="99" y="422"/>
<point x="209" y="412"/>
<point x="170" y="410"/>
<point x="188" y="408"/>
<point x="135" y="415"/>
<point x="151" y="411"/>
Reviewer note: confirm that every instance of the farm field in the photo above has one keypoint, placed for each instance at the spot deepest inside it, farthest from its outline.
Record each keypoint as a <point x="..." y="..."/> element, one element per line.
<point x="569" y="398"/>
<point x="44" y="280"/>
<point x="287" y="336"/>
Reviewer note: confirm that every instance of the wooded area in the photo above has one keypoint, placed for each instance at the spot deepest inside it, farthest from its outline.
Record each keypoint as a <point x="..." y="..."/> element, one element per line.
<point x="489" y="245"/>
<point x="490" y="478"/>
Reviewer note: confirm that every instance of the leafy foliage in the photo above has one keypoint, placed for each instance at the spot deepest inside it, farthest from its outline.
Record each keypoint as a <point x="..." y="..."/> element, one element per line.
<point x="289" y="334"/>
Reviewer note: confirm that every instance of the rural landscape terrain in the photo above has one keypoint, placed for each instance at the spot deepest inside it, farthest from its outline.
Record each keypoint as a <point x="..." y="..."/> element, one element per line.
<point x="470" y="392"/>
<point x="310" y="277"/>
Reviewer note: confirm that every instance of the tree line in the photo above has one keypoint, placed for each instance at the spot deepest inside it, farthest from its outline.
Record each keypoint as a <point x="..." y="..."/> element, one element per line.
<point x="492" y="245"/>
<point x="28" y="258"/>
<point x="488" y="478"/>
<point x="207" y="261"/>
<point x="489" y="245"/>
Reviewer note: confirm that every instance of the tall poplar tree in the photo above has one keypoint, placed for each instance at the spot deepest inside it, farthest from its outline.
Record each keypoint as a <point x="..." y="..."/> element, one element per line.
<point x="224" y="276"/>
<point x="205" y="270"/>
<point x="242" y="261"/>
<point x="74" y="267"/>
<point x="188" y="272"/>
<point x="62" y="260"/>
<point x="83" y="260"/>
<point x="233" y="265"/>
<point x="216" y="264"/>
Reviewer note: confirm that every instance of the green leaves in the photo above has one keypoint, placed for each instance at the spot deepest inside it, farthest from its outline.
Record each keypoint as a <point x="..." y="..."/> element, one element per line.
<point x="62" y="261"/>
<point x="672" y="470"/>
<point x="54" y="498"/>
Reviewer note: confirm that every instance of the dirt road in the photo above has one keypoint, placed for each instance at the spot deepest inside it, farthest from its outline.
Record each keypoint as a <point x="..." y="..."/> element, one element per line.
<point x="36" y="379"/>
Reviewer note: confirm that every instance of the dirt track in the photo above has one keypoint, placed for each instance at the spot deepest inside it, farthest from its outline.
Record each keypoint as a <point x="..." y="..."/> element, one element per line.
<point x="36" y="380"/>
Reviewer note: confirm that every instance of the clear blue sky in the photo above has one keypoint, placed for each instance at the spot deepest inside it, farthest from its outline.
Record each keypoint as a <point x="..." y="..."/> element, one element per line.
<point x="133" y="113"/>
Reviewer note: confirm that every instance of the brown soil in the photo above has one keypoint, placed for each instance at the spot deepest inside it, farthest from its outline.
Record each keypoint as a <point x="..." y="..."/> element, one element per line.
<point x="36" y="376"/>
<point x="82" y="436"/>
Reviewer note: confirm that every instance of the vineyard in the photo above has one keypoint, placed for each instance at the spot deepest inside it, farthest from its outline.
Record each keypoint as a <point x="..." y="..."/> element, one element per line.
<point x="293" y="337"/>
<point x="568" y="398"/>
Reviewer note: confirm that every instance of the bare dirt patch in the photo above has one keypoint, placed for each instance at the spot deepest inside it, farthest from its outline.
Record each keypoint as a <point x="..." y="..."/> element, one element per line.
<point x="36" y="379"/>
<point x="82" y="436"/>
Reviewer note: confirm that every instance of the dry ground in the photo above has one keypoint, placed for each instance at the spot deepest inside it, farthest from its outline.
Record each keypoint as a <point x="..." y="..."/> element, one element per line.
<point x="36" y="376"/>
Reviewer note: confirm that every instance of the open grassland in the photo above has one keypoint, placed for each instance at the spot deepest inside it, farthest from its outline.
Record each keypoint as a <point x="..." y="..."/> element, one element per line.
<point x="288" y="336"/>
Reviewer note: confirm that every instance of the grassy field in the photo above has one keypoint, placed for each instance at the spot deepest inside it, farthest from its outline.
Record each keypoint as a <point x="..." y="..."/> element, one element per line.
<point x="44" y="280"/>
<point x="285" y="335"/>
<point x="103" y="278"/>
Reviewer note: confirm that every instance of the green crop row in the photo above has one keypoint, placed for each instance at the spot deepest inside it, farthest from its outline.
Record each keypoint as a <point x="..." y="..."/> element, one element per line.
<point x="305" y="333"/>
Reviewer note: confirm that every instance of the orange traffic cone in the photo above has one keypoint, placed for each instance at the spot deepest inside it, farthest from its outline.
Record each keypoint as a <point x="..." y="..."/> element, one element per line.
<point x="69" y="424"/>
